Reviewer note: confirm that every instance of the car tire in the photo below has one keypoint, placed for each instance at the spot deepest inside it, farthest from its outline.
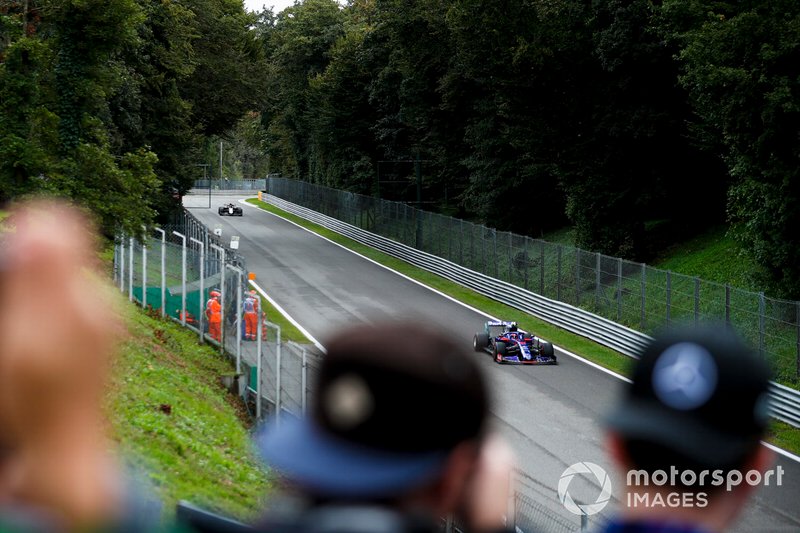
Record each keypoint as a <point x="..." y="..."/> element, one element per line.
<point x="547" y="349"/>
<point x="499" y="351"/>
<point x="480" y="341"/>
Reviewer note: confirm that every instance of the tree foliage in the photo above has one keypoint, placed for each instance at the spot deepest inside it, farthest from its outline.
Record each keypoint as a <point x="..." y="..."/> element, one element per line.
<point x="108" y="102"/>
<point x="636" y="122"/>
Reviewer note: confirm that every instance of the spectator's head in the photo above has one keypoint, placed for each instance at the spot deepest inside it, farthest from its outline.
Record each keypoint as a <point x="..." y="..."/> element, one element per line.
<point x="398" y="413"/>
<point x="698" y="401"/>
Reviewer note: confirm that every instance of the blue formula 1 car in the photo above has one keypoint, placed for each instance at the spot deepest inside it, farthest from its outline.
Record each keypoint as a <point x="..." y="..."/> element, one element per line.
<point x="509" y="344"/>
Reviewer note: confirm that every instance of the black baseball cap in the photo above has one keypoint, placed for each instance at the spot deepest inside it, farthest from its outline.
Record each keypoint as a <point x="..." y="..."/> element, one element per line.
<point x="390" y="403"/>
<point x="699" y="391"/>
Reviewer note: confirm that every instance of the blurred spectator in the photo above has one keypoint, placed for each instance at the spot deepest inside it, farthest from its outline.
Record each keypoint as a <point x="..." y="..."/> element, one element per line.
<point x="698" y="403"/>
<point x="396" y="440"/>
<point x="57" y="333"/>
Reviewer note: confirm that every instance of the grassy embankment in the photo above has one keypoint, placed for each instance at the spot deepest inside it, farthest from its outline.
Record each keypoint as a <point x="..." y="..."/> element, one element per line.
<point x="782" y="435"/>
<point x="175" y="422"/>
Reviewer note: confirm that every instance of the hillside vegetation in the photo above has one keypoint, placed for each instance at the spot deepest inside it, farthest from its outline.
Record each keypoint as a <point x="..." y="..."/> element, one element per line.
<point x="175" y="422"/>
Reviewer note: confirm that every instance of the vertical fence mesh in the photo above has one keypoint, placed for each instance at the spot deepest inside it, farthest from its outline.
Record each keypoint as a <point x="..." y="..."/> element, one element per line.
<point x="640" y="297"/>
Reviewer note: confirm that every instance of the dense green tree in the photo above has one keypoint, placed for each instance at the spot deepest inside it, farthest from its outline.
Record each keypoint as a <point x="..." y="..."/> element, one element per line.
<point x="298" y="44"/>
<point x="742" y="71"/>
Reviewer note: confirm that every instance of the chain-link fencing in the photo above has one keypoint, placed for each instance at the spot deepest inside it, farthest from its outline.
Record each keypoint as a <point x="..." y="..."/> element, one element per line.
<point x="638" y="296"/>
<point x="175" y="272"/>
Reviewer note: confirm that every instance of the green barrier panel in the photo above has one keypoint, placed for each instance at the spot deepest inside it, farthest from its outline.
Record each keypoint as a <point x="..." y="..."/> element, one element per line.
<point x="173" y="301"/>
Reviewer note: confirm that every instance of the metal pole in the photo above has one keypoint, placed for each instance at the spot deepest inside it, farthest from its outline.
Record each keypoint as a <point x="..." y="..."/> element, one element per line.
<point x="558" y="272"/>
<point x="122" y="264"/>
<point x="762" y="309"/>
<point x="644" y="296"/>
<point x="239" y="318"/>
<point x="597" y="281"/>
<point x="183" y="277"/>
<point x="727" y="306"/>
<point x="277" y="372"/>
<point x="238" y="321"/>
<point x="200" y="322"/>
<point x="116" y="261"/>
<point x="163" y="270"/>
<point x="221" y="251"/>
<point x="303" y="381"/>
<point x="130" y="271"/>
<point x="541" y="267"/>
<point x="619" y="290"/>
<point x="669" y="295"/>
<point x="144" y="276"/>
<point x="259" y="351"/>
<point x="510" y="259"/>
<point x="577" y="277"/>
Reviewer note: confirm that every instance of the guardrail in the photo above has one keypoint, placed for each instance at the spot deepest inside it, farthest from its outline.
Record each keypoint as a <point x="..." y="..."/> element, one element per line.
<point x="784" y="402"/>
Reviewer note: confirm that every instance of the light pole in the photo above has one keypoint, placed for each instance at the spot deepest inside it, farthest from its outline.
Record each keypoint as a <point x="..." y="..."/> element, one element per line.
<point x="183" y="277"/>
<point x="202" y="274"/>
<point x="163" y="270"/>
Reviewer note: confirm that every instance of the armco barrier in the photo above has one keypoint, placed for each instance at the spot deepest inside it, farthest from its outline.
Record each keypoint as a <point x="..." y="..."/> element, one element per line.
<point x="784" y="402"/>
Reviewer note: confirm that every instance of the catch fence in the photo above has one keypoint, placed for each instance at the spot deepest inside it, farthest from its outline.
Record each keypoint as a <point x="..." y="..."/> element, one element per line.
<point x="634" y="295"/>
<point x="173" y="271"/>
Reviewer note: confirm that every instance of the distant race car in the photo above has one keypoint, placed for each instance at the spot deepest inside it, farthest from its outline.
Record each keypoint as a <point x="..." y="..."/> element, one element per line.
<point x="230" y="210"/>
<point x="509" y="344"/>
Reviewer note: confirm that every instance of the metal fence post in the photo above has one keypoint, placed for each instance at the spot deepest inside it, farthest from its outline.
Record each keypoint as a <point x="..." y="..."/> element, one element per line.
<point x="669" y="296"/>
<point x="304" y="381"/>
<point x="597" y="281"/>
<point x="696" y="300"/>
<point x="619" y="289"/>
<point x="494" y="255"/>
<point x="122" y="264"/>
<point x="278" y="373"/>
<point x="144" y="275"/>
<point x="183" y="277"/>
<point x="200" y="323"/>
<point x="541" y="267"/>
<point x="510" y="259"/>
<point x="644" y="298"/>
<point x="163" y="270"/>
<point x="461" y="242"/>
<point x="727" y="306"/>
<point x="130" y="270"/>
<point x="558" y="273"/>
<point x="116" y="261"/>
<point x="238" y="321"/>
<point x="260" y="354"/>
<point x="577" y="277"/>
<point x="221" y="251"/>
<point x="762" y="309"/>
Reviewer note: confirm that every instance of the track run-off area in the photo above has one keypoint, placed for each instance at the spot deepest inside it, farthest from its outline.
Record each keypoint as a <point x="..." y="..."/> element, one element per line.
<point x="551" y="415"/>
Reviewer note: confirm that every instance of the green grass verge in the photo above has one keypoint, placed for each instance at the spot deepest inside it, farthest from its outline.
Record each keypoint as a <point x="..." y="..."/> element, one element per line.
<point x="712" y="256"/>
<point x="289" y="331"/>
<point x="787" y="437"/>
<point x="174" y="421"/>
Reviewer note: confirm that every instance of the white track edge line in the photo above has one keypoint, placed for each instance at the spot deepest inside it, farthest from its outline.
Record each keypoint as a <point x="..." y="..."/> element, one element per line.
<point x="772" y="447"/>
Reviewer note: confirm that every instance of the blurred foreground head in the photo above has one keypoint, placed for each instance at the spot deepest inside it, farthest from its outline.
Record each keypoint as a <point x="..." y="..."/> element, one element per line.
<point x="697" y="405"/>
<point x="57" y="332"/>
<point x="699" y="393"/>
<point x="391" y="404"/>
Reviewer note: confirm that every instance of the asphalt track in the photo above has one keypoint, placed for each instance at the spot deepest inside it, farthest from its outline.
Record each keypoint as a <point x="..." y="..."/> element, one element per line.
<point x="551" y="415"/>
